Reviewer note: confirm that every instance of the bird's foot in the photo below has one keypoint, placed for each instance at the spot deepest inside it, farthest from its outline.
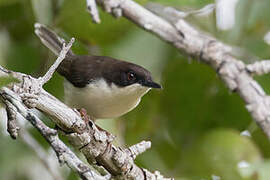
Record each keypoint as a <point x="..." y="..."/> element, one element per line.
<point x="87" y="119"/>
<point x="84" y="115"/>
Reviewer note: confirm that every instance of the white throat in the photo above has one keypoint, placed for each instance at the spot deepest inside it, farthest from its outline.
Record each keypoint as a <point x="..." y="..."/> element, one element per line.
<point x="102" y="100"/>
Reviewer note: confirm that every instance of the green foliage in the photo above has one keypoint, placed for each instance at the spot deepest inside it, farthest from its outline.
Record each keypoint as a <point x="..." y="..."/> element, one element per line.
<point x="7" y="2"/>
<point x="81" y="28"/>
<point x="4" y="81"/>
<point x="220" y="156"/>
<point x="194" y="123"/>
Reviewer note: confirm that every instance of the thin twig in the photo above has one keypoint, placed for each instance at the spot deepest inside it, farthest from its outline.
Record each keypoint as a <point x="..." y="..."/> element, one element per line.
<point x="172" y="13"/>
<point x="94" y="143"/>
<point x="59" y="59"/>
<point x="205" y="48"/>
<point x="259" y="67"/>
<point x="12" y="126"/>
<point x="139" y="148"/>
<point x="64" y="154"/>
<point x="93" y="11"/>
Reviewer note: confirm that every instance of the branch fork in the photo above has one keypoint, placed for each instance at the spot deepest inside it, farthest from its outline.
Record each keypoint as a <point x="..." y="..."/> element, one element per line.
<point x="83" y="134"/>
<point x="95" y="144"/>
<point x="169" y="24"/>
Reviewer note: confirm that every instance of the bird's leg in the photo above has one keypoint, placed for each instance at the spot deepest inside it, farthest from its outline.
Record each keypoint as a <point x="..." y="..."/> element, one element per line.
<point x="84" y="115"/>
<point x="87" y="119"/>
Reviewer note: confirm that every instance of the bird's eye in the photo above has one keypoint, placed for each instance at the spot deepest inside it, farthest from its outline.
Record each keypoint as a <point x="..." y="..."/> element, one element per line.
<point x="130" y="76"/>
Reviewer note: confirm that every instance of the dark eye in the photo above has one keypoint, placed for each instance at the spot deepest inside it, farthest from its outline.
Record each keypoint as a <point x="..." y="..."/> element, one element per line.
<point x="130" y="76"/>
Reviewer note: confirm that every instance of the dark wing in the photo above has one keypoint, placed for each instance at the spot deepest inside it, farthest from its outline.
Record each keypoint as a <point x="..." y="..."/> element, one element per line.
<point x="85" y="69"/>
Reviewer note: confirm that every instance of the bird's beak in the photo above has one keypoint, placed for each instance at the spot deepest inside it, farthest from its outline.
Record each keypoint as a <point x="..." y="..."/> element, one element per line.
<point x="152" y="84"/>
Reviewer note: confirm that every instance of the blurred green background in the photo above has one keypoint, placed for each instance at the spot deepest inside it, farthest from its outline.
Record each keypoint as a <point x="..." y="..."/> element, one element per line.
<point x="194" y="123"/>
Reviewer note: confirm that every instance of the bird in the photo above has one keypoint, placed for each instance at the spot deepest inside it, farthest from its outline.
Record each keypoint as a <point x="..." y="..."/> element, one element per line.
<point x="104" y="86"/>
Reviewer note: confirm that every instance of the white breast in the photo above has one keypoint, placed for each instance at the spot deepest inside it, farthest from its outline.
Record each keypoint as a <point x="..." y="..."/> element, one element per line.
<point x="102" y="100"/>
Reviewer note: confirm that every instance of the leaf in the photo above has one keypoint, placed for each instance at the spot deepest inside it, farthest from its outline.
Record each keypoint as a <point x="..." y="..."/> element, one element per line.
<point x="4" y="81"/>
<point x="222" y="152"/>
<point x="74" y="20"/>
<point x="7" y="2"/>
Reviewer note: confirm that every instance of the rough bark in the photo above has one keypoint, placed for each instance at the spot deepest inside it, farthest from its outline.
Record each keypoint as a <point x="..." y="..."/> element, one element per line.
<point x="203" y="47"/>
<point x="83" y="134"/>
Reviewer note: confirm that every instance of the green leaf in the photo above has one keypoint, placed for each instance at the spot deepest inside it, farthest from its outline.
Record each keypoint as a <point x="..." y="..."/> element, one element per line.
<point x="4" y="81"/>
<point x="7" y="2"/>
<point x="222" y="152"/>
<point x="74" y="20"/>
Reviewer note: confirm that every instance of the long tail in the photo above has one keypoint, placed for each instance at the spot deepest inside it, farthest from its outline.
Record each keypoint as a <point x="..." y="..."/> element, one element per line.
<point x="55" y="43"/>
<point x="50" y="39"/>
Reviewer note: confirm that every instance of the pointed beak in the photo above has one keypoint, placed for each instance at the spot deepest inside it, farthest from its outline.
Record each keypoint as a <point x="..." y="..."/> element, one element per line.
<point x="152" y="84"/>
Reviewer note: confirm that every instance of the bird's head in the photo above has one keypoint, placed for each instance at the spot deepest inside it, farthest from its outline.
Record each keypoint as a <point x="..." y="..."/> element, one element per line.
<point x="126" y="74"/>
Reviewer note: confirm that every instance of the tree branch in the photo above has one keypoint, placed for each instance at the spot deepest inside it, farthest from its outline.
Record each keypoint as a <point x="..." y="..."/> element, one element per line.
<point x="203" y="47"/>
<point x="259" y="68"/>
<point x="64" y="154"/>
<point x="92" y="141"/>
<point x="12" y="126"/>
<point x="93" y="11"/>
<point x="60" y="58"/>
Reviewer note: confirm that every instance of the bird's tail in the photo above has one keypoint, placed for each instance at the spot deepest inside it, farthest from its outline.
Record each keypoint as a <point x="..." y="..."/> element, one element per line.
<point x="55" y="43"/>
<point x="50" y="39"/>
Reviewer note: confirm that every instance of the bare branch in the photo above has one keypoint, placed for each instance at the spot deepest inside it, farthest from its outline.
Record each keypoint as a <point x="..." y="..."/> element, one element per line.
<point x="143" y="18"/>
<point x="93" y="11"/>
<point x="206" y="49"/>
<point x="64" y="154"/>
<point x="41" y="153"/>
<point x="112" y="7"/>
<point x="91" y="140"/>
<point x="139" y="148"/>
<point x="259" y="67"/>
<point x="172" y="14"/>
<point x="96" y="145"/>
<point x="12" y="126"/>
<point x="60" y="58"/>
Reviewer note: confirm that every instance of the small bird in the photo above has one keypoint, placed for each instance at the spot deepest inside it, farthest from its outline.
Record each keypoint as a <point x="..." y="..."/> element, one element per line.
<point x="104" y="86"/>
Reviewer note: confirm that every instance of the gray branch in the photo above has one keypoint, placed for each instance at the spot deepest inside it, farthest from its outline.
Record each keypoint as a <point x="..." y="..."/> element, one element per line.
<point x="92" y="141"/>
<point x="12" y="126"/>
<point x="93" y="11"/>
<point x="29" y="89"/>
<point x="60" y="58"/>
<point x="259" y="67"/>
<point x="202" y="47"/>
<point x="64" y="154"/>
